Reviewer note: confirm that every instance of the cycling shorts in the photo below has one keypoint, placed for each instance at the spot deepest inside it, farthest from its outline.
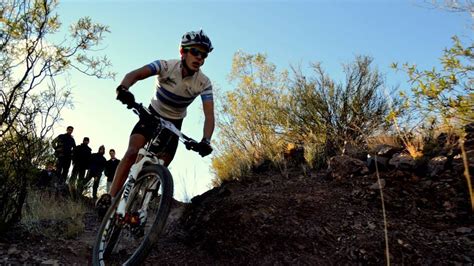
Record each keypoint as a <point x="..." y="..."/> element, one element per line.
<point x="167" y="138"/>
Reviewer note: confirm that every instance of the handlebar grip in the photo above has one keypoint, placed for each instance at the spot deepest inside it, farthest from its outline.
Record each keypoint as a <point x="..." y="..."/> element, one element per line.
<point x="192" y="145"/>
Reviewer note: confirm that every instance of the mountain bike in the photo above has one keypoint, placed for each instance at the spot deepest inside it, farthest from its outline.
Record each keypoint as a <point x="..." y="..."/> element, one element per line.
<point x="137" y="216"/>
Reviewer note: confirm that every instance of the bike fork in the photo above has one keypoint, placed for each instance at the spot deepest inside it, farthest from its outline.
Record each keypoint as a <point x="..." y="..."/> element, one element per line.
<point x="132" y="177"/>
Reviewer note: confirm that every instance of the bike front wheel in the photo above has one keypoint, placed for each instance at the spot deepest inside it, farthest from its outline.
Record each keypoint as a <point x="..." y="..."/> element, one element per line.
<point x="128" y="239"/>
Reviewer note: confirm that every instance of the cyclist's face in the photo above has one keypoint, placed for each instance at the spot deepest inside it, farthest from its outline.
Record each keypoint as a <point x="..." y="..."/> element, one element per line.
<point x="194" y="59"/>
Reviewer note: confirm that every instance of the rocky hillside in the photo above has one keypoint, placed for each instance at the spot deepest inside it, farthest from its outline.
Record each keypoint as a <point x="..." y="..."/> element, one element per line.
<point x="314" y="219"/>
<point x="331" y="216"/>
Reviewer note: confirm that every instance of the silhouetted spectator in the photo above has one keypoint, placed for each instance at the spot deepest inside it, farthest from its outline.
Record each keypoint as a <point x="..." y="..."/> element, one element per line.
<point x="63" y="145"/>
<point x="47" y="177"/>
<point x="110" y="167"/>
<point x="81" y="156"/>
<point x="96" y="167"/>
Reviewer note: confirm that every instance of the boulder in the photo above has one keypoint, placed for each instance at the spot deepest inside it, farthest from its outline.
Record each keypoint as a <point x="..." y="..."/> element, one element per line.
<point x="343" y="166"/>
<point x="385" y="150"/>
<point x="402" y="161"/>
<point x="436" y="165"/>
<point x="380" y="155"/>
<point x="458" y="163"/>
<point x="382" y="162"/>
<point x="469" y="139"/>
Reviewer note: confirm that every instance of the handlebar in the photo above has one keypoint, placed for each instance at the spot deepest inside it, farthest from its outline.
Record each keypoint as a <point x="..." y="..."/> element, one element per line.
<point x="145" y="113"/>
<point x="127" y="98"/>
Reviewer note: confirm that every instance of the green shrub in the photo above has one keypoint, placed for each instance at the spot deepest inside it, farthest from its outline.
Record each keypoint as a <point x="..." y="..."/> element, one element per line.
<point x="267" y="111"/>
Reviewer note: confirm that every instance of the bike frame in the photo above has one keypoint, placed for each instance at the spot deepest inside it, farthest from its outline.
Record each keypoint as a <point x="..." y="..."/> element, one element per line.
<point x="147" y="157"/>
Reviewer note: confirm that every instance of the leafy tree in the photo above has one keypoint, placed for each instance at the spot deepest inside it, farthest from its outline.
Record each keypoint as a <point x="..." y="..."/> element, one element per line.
<point x="30" y="98"/>
<point x="249" y="115"/>
<point x="338" y="115"/>
<point x="445" y="94"/>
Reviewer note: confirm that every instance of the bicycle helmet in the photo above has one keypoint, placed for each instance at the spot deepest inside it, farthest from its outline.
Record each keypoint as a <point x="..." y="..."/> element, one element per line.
<point x="196" y="37"/>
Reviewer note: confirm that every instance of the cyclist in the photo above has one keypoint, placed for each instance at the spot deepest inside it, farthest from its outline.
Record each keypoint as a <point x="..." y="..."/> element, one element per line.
<point x="178" y="83"/>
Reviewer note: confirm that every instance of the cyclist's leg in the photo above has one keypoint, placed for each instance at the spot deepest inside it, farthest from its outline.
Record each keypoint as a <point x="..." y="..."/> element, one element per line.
<point x="141" y="134"/>
<point x="170" y="151"/>
<point x="136" y="142"/>
<point x="172" y="146"/>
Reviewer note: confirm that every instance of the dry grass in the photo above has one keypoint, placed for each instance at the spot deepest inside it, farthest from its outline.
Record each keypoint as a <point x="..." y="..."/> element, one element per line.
<point x="384" y="213"/>
<point x="466" y="173"/>
<point x="372" y="142"/>
<point x="53" y="216"/>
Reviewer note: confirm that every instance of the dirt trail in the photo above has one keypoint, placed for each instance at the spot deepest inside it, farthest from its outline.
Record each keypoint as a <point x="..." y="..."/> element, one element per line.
<point x="18" y="246"/>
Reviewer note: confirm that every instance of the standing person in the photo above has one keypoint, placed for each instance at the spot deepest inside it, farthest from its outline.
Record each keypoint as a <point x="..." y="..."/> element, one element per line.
<point x="96" y="167"/>
<point x="81" y="156"/>
<point x="47" y="176"/>
<point x="110" y="168"/>
<point x="63" y="145"/>
<point x="178" y="83"/>
<point x="47" y="179"/>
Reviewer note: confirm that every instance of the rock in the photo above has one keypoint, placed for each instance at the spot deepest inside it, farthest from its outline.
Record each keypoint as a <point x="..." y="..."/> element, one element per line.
<point x="13" y="251"/>
<point x="467" y="259"/>
<point x="448" y="205"/>
<point x="343" y="166"/>
<point x="436" y="165"/>
<point x="402" y="161"/>
<point x="72" y="250"/>
<point x="382" y="162"/>
<point x="464" y="230"/>
<point x="380" y="155"/>
<point x="385" y="150"/>
<point x="50" y="262"/>
<point x="377" y="186"/>
<point x="372" y="226"/>
<point x="469" y="139"/>
<point x="25" y="256"/>
<point x="458" y="163"/>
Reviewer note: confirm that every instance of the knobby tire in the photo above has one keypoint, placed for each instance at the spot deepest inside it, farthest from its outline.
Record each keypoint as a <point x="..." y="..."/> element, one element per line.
<point x="140" y="254"/>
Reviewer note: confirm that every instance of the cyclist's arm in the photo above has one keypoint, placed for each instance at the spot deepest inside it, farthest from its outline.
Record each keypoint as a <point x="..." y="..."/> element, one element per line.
<point x="136" y="75"/>
<point x="208" y="107"/>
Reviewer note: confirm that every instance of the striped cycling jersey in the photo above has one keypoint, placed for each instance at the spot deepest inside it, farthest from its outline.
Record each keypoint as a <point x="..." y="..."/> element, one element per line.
<point x="173" y="92"/>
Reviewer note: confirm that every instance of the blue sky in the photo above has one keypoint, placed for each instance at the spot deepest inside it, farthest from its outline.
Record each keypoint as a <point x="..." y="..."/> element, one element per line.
<point x="289" y="32"/>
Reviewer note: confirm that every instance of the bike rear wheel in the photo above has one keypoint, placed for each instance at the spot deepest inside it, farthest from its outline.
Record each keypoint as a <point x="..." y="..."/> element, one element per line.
<point x="128" y="240"/>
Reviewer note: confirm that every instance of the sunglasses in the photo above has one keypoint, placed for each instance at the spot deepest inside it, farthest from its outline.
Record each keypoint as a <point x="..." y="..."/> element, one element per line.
<point x="196" y="52"/>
